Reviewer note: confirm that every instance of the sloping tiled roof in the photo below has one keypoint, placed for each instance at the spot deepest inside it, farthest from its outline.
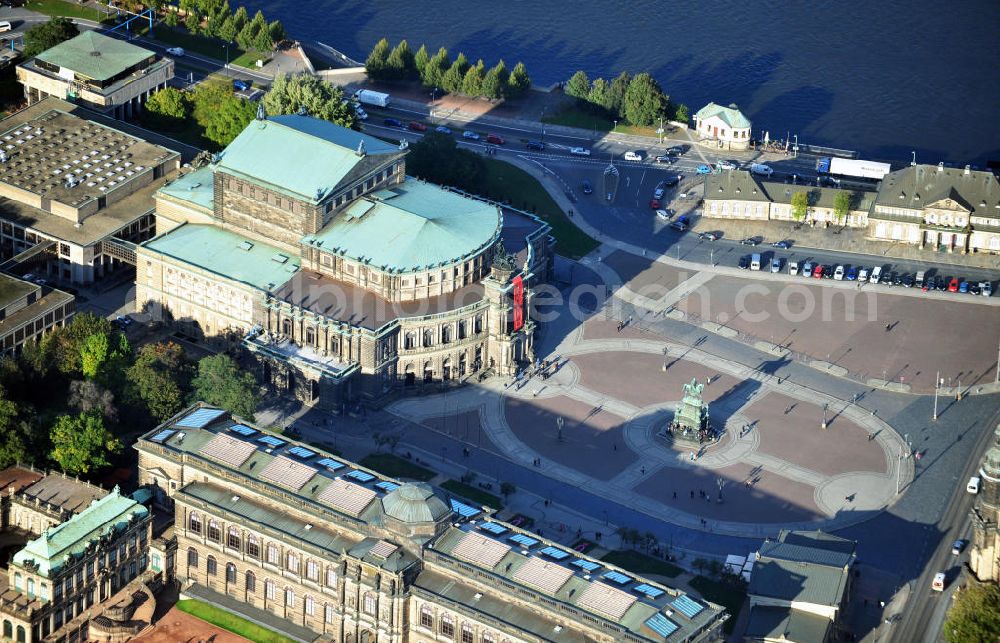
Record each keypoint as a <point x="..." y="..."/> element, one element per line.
<point x="738" y="185"/>
<point x="784" y="623"/>
<point x="917" y="186"/>
<point x="731" y="115"/>
<point x="819" y="197"/>
<point x="801" y="582"/>
<point x="95" y="55"/>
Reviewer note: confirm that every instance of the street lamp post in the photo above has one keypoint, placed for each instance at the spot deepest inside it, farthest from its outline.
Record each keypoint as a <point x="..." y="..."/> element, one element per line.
<point x="796" y="148"/>
<point x="937" y="385"/>
<point x="825" y="407"/>
<point x="226" y="45"/>
<point x="559" y="428"/>
<point x="615" y="128"/>
<point x="721" y="482"/>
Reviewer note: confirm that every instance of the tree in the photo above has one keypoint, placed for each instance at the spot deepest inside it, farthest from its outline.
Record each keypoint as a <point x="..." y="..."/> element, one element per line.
<point x="578" y="85"/>
<point x="245" y="37"/>
<point x="681" y="113"/>
<point x="227" y="31"/>
<point x="221" y="114"/>
<point x="288" y="94"/>
<point x="435" y="69"/>
<point x="600" y="94"/>
<point x="277" y="31"/>
<point x="437" y="158"/>
<point x="262" y="40"/>
<point x="62" y="347"/>
<point x="100" y="359"/>
<point x="400" y="62"/>
<point x="220" y="382"/>
<point x="644" y="101"/>
<point x="841" y="205"/>
<point x="495" y="82"/>
<point x="81" y="443"/>
<point x="171" y="19"/>
<point x="472" y="84"/>
<point x="616" y="94"/>
<point x="86" y="396"/>
<point x="47" y="35"/>
<point x="974" y="615"/>
<point x="622" y="533"/>
<point x="420" y="60"/>
<point x="240" y="19"/>
<point x="700" y="564"/>
<point x="167" y="109"/>
<point x="452" y="79"/>
<point x="13" y="445"/>
<point x="507" y="489"/>
<point x="519" y="82"/>
<point x="377" y="64"/>
<point x="192" y="21"/>
<point x="160" y="379"/>
<point x="800" y="205"/>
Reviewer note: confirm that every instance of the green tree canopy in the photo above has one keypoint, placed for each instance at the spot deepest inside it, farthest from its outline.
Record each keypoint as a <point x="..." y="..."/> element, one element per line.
<point x="600" y="94"/>
<point x="171" y="19"/>
<point x="240" y="18"/>
<point x="841" y="205"/>
<point x="519" y="82"/>
<point x="616" y="93"/>
<point x="220" y="113"/>
<point x="451" y="82"/>
<point x="82" y="442"/>
<point x="437" y="157"/>
<point x="262" y="40"/>
<point x="681" y="113"/>
<point x="47" y="35"/>
<point x="192" y="21"/>
<point x="377" y="64"/>
<point x="400" y="63"/>
<point x="14" y="446"/>
<point x="974" y="615"/>
<point x="420" y="60"/>
<point x="167" y="109"/>
<point x="221" y="383"/>
<point x="160" y="379"/>
<point x="62" y="347"/>
<point x="472" y="84"/>
<point x="495" y="82"/>
<point x="800" y="205"/>
<point x="435" y="69"/>
<point x="578" y="85"/>
<point x="227" y="30"/>
<point x="644" y="101"/>
<point x="245" y="37"/>
<point x="288" y="94"/>
<point x="277" y="31"/>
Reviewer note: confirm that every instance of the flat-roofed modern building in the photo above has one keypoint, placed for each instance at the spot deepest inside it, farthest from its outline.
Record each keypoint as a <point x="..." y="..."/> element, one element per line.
<point x="75" y="191"/>
<point x="106" y="74"/>
<point x="343" y="275"/>
<point x="323" y="548"/>
<point x="29" y="310"/>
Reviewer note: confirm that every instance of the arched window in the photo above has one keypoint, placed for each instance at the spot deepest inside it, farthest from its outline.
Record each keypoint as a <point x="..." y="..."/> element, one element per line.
<point x="269" y="589"/>
<point x="310" y="336"/>
<point x="213" y="530"/>
<point x="253" y="546"/>
<point x="310" y="606"/>
<point x="286" y="327"/>
<point x="331" y="576"/>
<point x="428" y="338"/>
<point x="328" y="613"/>
<point x="410" y="340"/>
<point x="447" y="625"/>
<point x="210" y="565"/>
<point x="289" y="597"/>
<point x="368" y="604"/>
<point x="292" y="563"/>
<point x="426" y="617"/>
<point x="194" y="522"/>
<point x="230" y="573"/>
<point x="478" y="325"/>
<point x="233" y="539"/>
<point x="192" y="557"/>
<point x="467" y="635"/>
<point x="251" y="582"/>
<point x="18" y="581"/>
<point x="488" y="637"/>
<point x="8" y="629"/>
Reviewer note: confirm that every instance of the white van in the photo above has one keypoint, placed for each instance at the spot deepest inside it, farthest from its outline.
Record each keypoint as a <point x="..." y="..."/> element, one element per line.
<point x="633" y="156"/>
<point x="920" y="278"/>
<point x="760" y="168"/>
<point x="755" y="262"/>
<point x="973" y="486"/>
<point x="938" y="583"/>
<point x="793" y="268"/>
<point x="876" y="274"/>
<point x="5" y="26"/>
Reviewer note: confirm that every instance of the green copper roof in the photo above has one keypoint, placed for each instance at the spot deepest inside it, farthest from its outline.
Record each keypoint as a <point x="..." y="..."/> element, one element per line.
<point x="411" y="227"/>
<point x="228" y="254"/>
<point x="50" y="550"/>
<point x="301" y="156"/>
<point x="194" y="188"/>
<point x="94" y="55"/>
<point x="731" y="115"/>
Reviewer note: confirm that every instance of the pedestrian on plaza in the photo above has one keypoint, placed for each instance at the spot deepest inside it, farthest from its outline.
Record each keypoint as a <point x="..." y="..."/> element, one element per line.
<point x="642" y="471"/>
<point x="614" y="446"/>
<point x="675" y="495"/>
<point x="692" y="494"/>
<point x="887" y="327"/>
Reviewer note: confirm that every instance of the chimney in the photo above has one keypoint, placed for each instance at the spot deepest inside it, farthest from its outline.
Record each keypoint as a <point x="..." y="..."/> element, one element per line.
<point x="967" y="170"/>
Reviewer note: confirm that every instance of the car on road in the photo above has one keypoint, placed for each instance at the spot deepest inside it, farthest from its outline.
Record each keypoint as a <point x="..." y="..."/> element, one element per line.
<point x="817" y="272"/>
<point x="441" y="129"/>
<point x="726" y="165"/>
<point x="579" y="151"/>
<point x="633" y="156"/>
<point x="862" y="274"/>
<point x="361" y="113"/>
<point x="709" y="236"/>
<point x="807" y="269"/>
<point x="889" y="279"/>
<point x="793" y="268"/>
<point x="495" y="139"/>
<point x="663" y="158"/>
<point x="175" y="51"/>
<point x="535" y="145"/>
<point x="838" y="273"/>
<point x="760" y="168"/>
<point x="852" y="274"/>
<point x="393" y="122"/>
<point x="958" y="546"/>
<point x="241" y="85"/>
<point x="654" y="204"/>
<point x="938" y="583"/>
<point x="658" y="192"/>
<point x="122" y="319"/>
<point x="953" y="285"/>
<point x="472" y="136"/>
<point x="587" y="187"/>
<point x="704" y="169"/>
<point x="750" y="241"/>
<point x="775" y="265"/>
<point x="417" y="126"/>
<point x="986" y="288"/>
<point x="963" y="287"/>
<point x="663" y="214"/>
<point x="744" y="262"/>
<point x="677" y="150"/>
<point x="784" y="244"/>
<point x="672" y="180"/>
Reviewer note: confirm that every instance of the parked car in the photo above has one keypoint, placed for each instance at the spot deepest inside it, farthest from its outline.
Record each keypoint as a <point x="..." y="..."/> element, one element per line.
<point x="852" y="274"/>
<point x="958" y="546"/>
<point x="775" y="265"/>
<point x="654" y="204"/>
<point x="963" y="287"/>
<point x="940" y="284"/>
<point x="122" y="319"/>
<point x="975" y="289"/>
<point x="495" y="139"/>
<point x="587" y="187"/>
<point x="889" y="279"/>
<point x="658" y="192"/>
<point x="938" y="583"/>
<point x="828" y="271"/>
<point x="953" y="285"/>
<point x="663" y="214"/>
<point x="908" y="280"/>
<point x="579" y="151"/>
<point x="704" y="169"/>
<point x="417" y="126"/>
<point x="862" y="274"/>
<point x="784" y="244"/>
<point x="986" y="288"/>
<point x="535" y="145"/>
<point x="633" y="156"/>
<point x="807" y="269"/>
<point x="876" y="275"/>
<point x="709" y="236"/>
<point x="360" y="112"/>
<point x="817" y="272"/>
<point x="744" y="262"/>
<point x="726" y="165"/>
<point x="241" y="85"/>
<point x="672" y="180"/>
<point x="838" y="273"/>
<point x="663" y="158"/>
<point x="750" y="241"/>
<point x="442" y="129"/>
<point x="677" y="150"/>
<point x="393" y="122"/>
<point x="793" y="268"/>
<point x="175" y="51"/>
<point x="472" y="136"/>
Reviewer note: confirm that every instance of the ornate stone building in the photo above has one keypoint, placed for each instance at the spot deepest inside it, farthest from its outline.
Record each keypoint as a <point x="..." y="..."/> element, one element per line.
<point x="320" y="547"/>
<point x="984" y="555"/>
<point x="343" y="275"/>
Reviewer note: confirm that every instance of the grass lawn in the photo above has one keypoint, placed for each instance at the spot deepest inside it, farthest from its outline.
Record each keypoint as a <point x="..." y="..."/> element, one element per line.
<point x="396" y="467"/>
<point x="508" y="183"/>
<point x="211" y="47"/>
<point x="472" y="493"/>
<point x="231" y="622"/>
<point x="249" y="59"/>
<point x="63" y="8"/>
<point x="729" y="596"/>
<point x="640" y="563"/>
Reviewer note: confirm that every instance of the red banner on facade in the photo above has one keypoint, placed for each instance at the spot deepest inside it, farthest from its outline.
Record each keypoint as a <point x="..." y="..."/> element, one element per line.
<point x="518" y="303"/>
<point x="518" y="318"/>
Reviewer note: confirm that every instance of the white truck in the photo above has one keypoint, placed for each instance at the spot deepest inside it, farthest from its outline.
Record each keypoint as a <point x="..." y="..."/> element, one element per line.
<point x="368" y="97"/>
<point x="857" y="168"/>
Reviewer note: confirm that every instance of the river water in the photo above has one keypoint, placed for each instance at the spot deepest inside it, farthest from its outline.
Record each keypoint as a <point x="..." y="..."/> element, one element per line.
<point x="882" y="77"/>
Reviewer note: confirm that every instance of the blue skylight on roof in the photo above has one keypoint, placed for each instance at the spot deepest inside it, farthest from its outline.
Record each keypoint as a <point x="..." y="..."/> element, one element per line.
<point x="687" y="606"/>
<point x="302" y="453"/>
<point x="555" y="552"/>
<point x="648" y="590"/>
<point x="162" y="436"/>
<point x="199" y="419"/>
<point x="243" y="430"/>
<point x="331" y="464"/>
<point x="526" y="541"/>
<point x="271" y="441"/>
<point x="617" y="577"/>
<point x="493" y="528"/>
<point x="586" y="565"/>
<point x="661" y="625"/>
<point x="361" y="476"/>
<point x="463" y="509"/>
<point x="387" y="486"/>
